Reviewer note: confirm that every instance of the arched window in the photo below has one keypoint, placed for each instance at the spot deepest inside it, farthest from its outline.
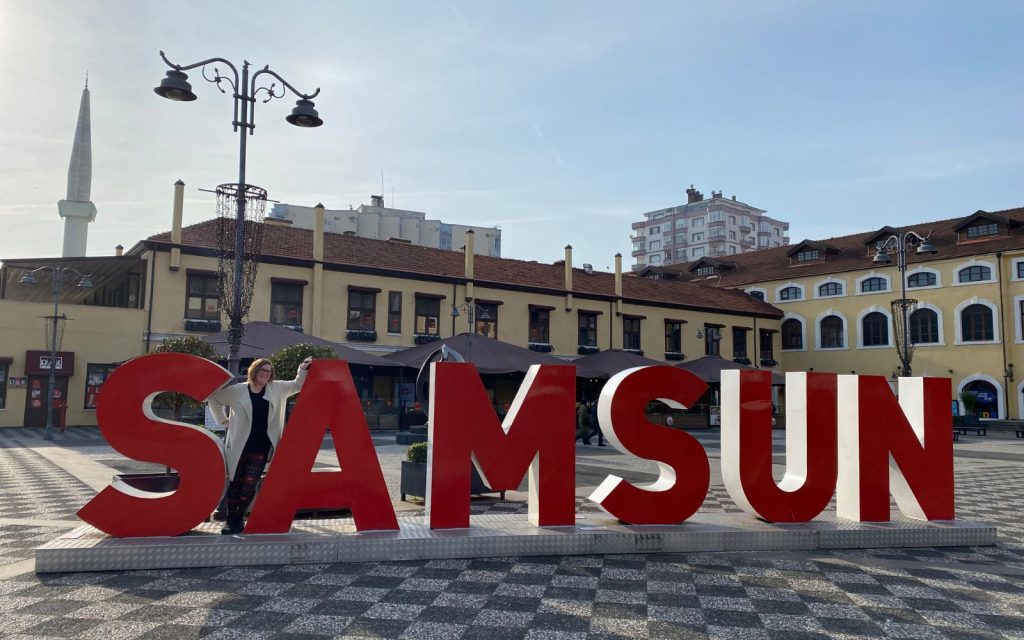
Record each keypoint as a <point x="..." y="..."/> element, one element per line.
<point x="790" y="293"/>
<point x="873" y="284"/>
<point x="831" y="331"/>
<point x="757" y="295"/>
<point x="977" y="273"/>
<point x="792" y="334"/>
<point x="874" y="330"/>
<point x="976" y="324"/>
<point x="922" y="279"/>
<point x="830" y="289"/>
<point x="924" y="327"/>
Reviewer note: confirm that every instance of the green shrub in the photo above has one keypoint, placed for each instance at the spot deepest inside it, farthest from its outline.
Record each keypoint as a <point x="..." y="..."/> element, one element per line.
<point x="417" y="452"/>
<point x="286" y="361"/>
<point x="178" y="403"/>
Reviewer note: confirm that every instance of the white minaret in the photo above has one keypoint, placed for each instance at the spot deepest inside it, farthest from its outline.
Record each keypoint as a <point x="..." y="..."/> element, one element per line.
<point x="77" y="209"/>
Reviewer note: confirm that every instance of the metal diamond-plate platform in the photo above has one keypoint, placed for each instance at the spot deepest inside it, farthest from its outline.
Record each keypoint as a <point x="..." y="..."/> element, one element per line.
<point x="329" y="541"/>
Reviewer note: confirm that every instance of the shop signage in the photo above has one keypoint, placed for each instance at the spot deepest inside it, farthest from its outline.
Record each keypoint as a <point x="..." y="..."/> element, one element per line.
<point x="17" y="383"/>
<point x="846" y="435"/>
<point x="37" y="363"/>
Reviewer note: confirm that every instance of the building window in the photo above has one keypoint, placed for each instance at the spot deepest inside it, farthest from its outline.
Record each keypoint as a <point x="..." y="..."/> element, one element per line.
<point x="830" y="289"/>
<point x="922" y="279"/>
<point x="767" y="348"/>
<point x="807" y="254"/>
<point x="638" y="245"/>
<point x="95" y="376"/>
<point x="875" y="330"/>
<point x="394" y="312"/>
<point x="697" y="237"/>
<point x="362" y="306"/>
<point x="757" y="295"/>
<point x="653" y="245"/>
<point x="706" y="270"/>
<point x="873" y="284"/>
<point x="4" y="367"/>
<point x="673" y="336"/>
<point x="924" y="327"/>
<point x="653" y="230"/>
<point x="790" y="293"/>
<point x="286" y="303"/>
<point x="697" y="252"/>
<point x="732" y="219"/>
<point x="539" y="325"/>
<point x="976" y="324"/>
<point x="698" y="222"/>
<point x="203" y="300"/>
<point x="982" y="230"/>
<point x="655" y="258"/>
<point x="792" y="334"/>
<point x="716" y="216"/>
<point x="680" y="254"/>
<point x="1020" y="269"/>
<point x="631" y="333"/>
<point x="486" y="320"/>
<point x="680" y="223"/>
<point x="428" y="314"/>
<point x="588" y="330"/>
<point x="681" y="239"/>
<point x="716" y="232"/>
<point x="831" y="330"/>
<point x="977" y="273"/>
<point x="739" y="343"/>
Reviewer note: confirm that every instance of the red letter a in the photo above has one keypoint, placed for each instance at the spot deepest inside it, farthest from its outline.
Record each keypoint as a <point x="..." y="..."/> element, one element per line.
<point x="328" y="399"/>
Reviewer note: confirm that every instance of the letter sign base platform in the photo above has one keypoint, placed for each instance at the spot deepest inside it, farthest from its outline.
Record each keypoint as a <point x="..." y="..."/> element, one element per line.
<point x="331" y="541"/>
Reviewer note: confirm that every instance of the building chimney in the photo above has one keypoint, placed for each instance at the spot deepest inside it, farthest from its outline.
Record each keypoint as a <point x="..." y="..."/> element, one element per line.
<point x="119" y="250"/>
<point x="377" y="201"/>
<point x="469" y="249"/>
<point x="179" y="206"/>
<point x="568" y="277"/>
<point x="692" y="195"/>
<point x="318" y="233"/>
<point x="734" y="198"/>
<point x="618" y="283"/>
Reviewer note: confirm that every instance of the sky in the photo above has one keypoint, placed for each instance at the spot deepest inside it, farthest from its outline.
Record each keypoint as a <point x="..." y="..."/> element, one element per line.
<point x="560" y="122"/>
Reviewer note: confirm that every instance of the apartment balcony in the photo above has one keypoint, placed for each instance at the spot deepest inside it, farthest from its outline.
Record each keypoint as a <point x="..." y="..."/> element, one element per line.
<point x="637" y="238"/>
<point x="639" y="252"/>
<point x="745" y="229"/>
<point x="765" y="234"/>
<point x="716" y="223"/>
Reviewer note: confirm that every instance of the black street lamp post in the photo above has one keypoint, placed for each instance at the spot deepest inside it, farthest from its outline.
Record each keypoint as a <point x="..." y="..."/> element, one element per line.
<point x="244" y="90"/>
<point x="57" y="275"/>
<point x="900" y="242"/>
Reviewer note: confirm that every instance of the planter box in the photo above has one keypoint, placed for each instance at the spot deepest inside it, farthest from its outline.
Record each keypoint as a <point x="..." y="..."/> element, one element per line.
<point x="414" y="481"/>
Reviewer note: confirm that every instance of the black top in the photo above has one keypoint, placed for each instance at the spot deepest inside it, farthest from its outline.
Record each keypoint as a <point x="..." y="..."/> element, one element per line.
<point x="258" y="441"/>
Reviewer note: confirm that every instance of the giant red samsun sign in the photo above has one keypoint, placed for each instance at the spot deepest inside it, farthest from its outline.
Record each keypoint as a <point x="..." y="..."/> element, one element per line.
<point x="845" y="434"/>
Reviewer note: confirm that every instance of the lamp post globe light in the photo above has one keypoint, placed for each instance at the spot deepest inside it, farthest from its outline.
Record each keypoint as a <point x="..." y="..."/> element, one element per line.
<point x="244" y="91"/>
<point x="57" y="275"/>
<point x="899" y="243"/>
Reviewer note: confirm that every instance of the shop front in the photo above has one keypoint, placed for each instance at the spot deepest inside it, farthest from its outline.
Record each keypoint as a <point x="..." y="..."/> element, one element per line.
<point x="37" y="369"/>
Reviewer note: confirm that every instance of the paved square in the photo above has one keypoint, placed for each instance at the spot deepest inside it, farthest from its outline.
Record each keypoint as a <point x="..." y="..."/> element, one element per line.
<point x="907" y="593"/>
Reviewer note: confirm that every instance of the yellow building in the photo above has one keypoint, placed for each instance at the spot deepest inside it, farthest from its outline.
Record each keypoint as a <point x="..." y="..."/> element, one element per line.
<point x="377" y="295"/>
<point x="837" y="300"/>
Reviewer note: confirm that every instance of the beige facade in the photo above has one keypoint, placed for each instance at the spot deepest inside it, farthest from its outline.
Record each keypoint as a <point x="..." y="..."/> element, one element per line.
<point x="394" y="296"/>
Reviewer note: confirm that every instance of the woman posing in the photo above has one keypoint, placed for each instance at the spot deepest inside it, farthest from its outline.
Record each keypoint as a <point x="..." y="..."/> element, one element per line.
<point x="253" y="430"/>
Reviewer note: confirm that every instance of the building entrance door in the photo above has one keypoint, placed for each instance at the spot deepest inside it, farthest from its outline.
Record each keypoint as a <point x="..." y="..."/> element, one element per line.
<point x="35" y="400"/>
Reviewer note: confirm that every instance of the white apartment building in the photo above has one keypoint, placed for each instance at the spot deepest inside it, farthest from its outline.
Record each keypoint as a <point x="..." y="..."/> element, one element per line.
<point x="384" y="223"/>
<point x="714" y="227"/>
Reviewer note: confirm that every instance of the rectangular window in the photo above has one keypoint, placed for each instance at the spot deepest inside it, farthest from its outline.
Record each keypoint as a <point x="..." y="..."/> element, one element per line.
<point x="394" y="312"/>
<point x="732" y="219"/>
<point x="653" y="230"/>
<point x="4" y="370"/>
<point x="631" y="333"/>
<point x="767" y="347"/>
<point x="539" y="325"/>
<point x="698" y="252"/>
<point x="698" y="222"/>
<point x="362" y="308"/>
<point x="588" y="330"/>
<point x="486" y="320"/>
<point x="680" y="223"/>
<point x="680" y="254"/>
<point x="697" y="237"/>
<point x="655" y="258"/>
<point x="712" y="340"/>
<point x="739" y="343"/>
<point x="95" y="376"/>
<point x="982" y="230"/>
<point x="203" y="302"/>
<point x="673" y="336"/>
<point x="428" y="316"/>
<point x="1020" y="269"/>
<point x="732" y="235"/>
<point x="716" y="232"/>
<point x="805" y="255"/>
<point x="638" y="246"/>
<point x="286" y="303"/>
<point x="681" y="239"/>
<point x="716" y="216"/>
<point x="653" y="245"/>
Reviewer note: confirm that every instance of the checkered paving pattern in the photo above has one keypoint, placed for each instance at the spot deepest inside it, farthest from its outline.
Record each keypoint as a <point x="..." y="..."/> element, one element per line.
<point x="900" y="593"/>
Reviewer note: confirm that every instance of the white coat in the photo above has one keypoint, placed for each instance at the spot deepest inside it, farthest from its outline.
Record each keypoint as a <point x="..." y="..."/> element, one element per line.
<point x="236" y="397"/>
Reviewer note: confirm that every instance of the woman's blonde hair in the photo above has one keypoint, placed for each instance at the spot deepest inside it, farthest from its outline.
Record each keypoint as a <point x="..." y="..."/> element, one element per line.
<point x="255" y="366"/>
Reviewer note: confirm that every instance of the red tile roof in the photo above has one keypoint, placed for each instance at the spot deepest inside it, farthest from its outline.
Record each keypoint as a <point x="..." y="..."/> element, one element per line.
<point x="852" y="253"/>
<point x="403" y="259"/>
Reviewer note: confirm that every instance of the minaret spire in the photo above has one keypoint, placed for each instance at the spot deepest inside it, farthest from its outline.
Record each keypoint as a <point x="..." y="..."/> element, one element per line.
<point x="77" y="209"/>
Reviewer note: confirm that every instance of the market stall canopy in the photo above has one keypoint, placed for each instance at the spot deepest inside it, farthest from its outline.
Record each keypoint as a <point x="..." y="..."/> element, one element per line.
<point x="611" y="361"/>
<point x="709" y="369"/>
<point x="263" y="339"/>
<point x="490" y="356"/>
